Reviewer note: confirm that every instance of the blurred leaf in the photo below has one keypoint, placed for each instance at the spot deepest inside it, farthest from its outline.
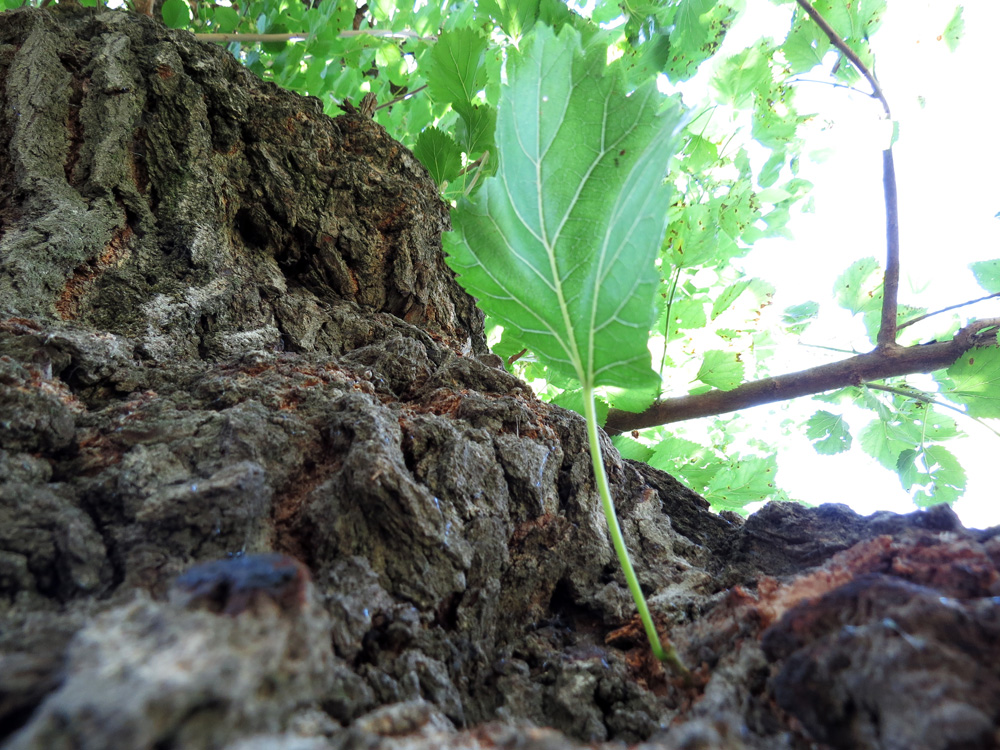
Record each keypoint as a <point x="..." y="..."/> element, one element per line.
<point x="740" y="74"/>
<point x="955" y="29"/>
<point x="987" y="273"/>
<point x="884" y="442"/>
<point x="694" y="463"/>
<point x="631" y="449"/>
<point x="225" y="20"/>
<point x="859" y="288"/>
<point x="974" y="381"/>
<point x="796" y="318"/>
<point x="942" y="477"/>
<point x="175" y="13"/>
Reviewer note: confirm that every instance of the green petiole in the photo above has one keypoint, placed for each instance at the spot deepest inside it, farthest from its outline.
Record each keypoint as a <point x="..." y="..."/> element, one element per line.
<point x="667" y="655"/>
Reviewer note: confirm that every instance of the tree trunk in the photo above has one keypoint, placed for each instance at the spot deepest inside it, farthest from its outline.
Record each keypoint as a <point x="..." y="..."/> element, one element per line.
<point x="262" y="485"/>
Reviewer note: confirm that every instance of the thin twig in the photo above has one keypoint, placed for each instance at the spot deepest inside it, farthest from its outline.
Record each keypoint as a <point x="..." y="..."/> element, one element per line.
<point x="850" y="54"/>
<point x="385" y="34"/>
<point x="834" y="84"/>
<point x="400" y="98"/>
<point x="514" y="357"/>
<point x="666" y="327"/>
<point x="475" y="164"/>
<point x="945" y="309"/>
<point x="252" y="37"/>
<point x="852" y="352"/>
<point x="389" y="34"/>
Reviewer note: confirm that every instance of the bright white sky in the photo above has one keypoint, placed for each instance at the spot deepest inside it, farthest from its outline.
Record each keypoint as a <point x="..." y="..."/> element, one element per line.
<point x="947" y="168"/>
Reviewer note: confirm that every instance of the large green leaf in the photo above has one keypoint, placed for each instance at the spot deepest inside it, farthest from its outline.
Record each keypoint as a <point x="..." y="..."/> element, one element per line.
<point x="560" y="244"/>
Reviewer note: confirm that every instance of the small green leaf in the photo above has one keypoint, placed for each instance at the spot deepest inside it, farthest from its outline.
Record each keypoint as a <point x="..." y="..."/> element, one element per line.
<point x="987" y="273"/>
<point x="945" y="476"/>
<point x="686" y="314"/>
<point x="225" y="20"/>
<point x="722" y="370"/>
<point x="476" y="127"/>
<point x="884" y="442"/>
<point x="741" y="74"/>
<point x="515" y="17"/>
<point x="440" y="154"/>
<point x="744" y="481"/>
<point x="606" y="11"/>
<point x="797" y="317"/>
<point x="771" y="170"/>
<point x="175" y="14"/>
<point x="974" y="381"/>
<point x="829" y="433"/>
<point x="859" y="288"/>
<point x="955" y="29"/>
<point x="631" y="449"/>
<point x="728" y="296"/>
<point x="694" y="463"/>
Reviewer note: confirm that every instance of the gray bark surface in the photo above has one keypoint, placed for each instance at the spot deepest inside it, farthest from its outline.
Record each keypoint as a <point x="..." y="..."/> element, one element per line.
<point x="262" y="485"/>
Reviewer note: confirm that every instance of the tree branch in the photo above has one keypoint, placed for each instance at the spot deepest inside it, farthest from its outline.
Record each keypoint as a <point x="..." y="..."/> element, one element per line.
<point x="850" y="54"/>
<point x="890" y="297"/>
<point x="876" y="365"/>
<point x="890" y="290"/>
<point x="252" y="37"/>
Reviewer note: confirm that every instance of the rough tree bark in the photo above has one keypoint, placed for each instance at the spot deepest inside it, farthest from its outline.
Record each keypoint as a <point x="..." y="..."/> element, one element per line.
<point x="226" y="330"/>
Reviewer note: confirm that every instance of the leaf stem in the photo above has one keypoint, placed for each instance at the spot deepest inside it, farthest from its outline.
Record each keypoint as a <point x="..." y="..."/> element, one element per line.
<point x="666" y="327"/>
<point x="668" y="655"/>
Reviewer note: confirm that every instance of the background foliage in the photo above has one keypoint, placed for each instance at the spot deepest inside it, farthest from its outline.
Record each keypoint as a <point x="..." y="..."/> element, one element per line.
<point x="438" y="70"/>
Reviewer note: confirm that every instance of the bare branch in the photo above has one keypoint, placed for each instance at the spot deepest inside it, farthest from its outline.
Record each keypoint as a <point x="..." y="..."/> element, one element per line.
<point x="382" y="33"/>
<point x="887" y="331"/>
<point x="876" y="365"/>
<point x="252" y="37"/>
<point x="890" y="297"/>
<point x="405" y="34"/>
